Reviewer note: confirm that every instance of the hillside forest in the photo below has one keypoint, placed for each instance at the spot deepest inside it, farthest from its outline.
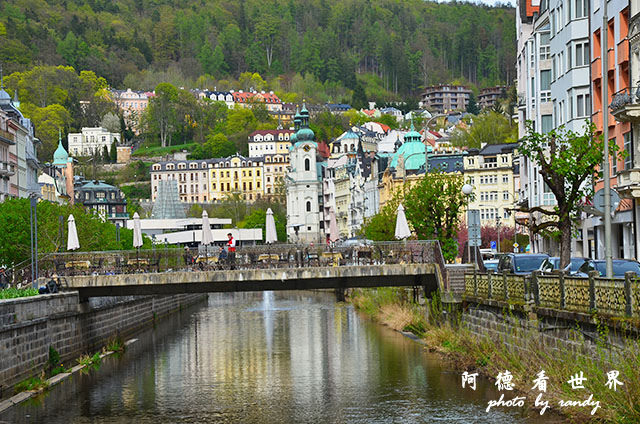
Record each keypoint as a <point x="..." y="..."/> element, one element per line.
<point x="392" y="48"/>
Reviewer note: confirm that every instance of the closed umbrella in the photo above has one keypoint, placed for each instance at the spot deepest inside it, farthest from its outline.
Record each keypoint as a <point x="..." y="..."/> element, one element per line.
<point x="271" y="236"/>
<point x="402" y="227"/>
<point x="137" y="231"/>
<point x="207" y="237"/>
<point x="72" y="237"/>
<point x="333" y="226"/>
<point x="137" y="235"/>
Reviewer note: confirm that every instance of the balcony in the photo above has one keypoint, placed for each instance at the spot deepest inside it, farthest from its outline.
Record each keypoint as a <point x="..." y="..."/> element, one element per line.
<point x="623" y="51"/>
<point x="625" y="106"/>
<point x="596" y="69"/>
<point x="7" y="169"/>
<point x="7" y="137"/>
<point x="611" y="57"/>
<point x="629" y="183"/>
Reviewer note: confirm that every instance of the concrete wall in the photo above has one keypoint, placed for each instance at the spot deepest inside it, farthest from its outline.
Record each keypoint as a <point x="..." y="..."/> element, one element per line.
<point x="29" y="326"/>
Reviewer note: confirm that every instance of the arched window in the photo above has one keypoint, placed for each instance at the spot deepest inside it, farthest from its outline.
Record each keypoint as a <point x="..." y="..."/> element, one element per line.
<point x="308" y="205"/>
<point x="307" y="164"/>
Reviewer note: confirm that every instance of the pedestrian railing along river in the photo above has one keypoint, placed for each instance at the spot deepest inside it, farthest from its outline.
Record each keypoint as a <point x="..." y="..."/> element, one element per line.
<point x="608" y="296"/>
<point x="246" y="257"/>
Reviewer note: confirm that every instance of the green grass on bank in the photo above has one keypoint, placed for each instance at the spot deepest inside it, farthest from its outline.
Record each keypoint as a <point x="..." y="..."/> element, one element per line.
<point x="488" y="356"/>
<point x="12" y="293"/>
<point x="147" y="151"/>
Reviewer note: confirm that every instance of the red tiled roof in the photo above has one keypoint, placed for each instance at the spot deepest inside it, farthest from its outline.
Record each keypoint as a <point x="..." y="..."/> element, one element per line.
<point x="384" y="127"/>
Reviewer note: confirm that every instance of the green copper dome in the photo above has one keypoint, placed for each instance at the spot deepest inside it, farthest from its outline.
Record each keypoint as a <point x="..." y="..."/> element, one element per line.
<point x="413" y="154"/>
<point x="412" y="135"/>
<point x="305" y="134"/>
<point x="60" y="156"/>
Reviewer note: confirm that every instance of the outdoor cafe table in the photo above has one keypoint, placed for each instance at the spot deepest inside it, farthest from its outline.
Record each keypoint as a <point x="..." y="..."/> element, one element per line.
<point x="334" y="257"/>
<point x="208" y="259"/>
<point x="77" y="264"/>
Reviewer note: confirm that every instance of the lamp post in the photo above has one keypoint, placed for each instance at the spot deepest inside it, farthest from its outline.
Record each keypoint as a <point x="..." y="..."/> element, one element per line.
<point x="498" y="227"/>
<point x="467" y="189"/>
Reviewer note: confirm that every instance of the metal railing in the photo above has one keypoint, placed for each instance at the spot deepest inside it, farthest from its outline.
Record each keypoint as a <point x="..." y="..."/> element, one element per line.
<point x="618" y="297"/>
<point x="246" y="257"/>
<point x="624" y="97"/>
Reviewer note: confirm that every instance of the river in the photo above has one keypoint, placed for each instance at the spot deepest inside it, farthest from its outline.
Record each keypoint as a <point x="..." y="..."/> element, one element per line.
<point x="291" y="357"/>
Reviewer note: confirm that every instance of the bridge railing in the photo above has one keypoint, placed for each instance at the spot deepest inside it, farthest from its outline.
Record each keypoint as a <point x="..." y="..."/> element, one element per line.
<point x="619" y="297"/>
<point x="246" y="257"/>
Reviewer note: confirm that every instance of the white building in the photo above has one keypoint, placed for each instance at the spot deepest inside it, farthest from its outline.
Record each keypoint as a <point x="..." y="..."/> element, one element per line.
<point x="91" y="141"/>
<point x="18" y="162"/>
<point x="304" y="185"/>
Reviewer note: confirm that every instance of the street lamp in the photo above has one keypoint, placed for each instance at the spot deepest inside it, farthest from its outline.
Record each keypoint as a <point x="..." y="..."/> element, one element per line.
<point x="467" y="189"/>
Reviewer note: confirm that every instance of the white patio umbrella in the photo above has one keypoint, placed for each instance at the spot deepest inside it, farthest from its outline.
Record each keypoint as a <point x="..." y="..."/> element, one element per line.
<point x="207" y="237"/>
<point x="137" y="231"/>
<point x="72" y="236"/>
<point x="137" y="236"/>
<point x="271" y="235"/>
<point x="333" y="226"/>
<point x="402" y="227"/>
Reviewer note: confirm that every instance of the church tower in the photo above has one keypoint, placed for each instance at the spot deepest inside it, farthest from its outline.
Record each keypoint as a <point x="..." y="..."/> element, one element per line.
<point x="304" y="183"/>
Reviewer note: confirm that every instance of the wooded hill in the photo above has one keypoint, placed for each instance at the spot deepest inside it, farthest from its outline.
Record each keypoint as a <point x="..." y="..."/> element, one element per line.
<point x="392" y="47"/>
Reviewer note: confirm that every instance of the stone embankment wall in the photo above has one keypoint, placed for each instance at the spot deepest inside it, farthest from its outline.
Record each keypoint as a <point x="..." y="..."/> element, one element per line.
<point x="29" y="326"/>
<point x="529" y="328"/>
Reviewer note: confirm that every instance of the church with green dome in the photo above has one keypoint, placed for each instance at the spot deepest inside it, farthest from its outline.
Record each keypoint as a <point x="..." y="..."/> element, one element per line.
<point x="304" y="183"/>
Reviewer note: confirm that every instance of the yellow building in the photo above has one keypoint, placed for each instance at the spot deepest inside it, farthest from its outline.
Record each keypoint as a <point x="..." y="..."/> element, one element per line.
<point x="236" y="174"/>
<point x="493" y="173"/>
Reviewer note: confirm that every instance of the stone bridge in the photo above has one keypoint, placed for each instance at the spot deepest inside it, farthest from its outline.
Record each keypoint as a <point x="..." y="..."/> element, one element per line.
<point x="255" y="268"/>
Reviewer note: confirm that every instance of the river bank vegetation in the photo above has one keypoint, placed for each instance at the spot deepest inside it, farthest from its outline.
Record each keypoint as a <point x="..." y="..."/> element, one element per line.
<point x="442" y="332"/>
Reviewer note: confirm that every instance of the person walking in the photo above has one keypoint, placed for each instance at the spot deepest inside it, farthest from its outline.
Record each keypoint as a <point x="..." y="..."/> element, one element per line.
<point x="231" y="248"/>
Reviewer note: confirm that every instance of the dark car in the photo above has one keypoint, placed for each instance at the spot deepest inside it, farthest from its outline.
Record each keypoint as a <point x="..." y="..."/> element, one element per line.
<point x="521" y="263"/>
<point x="553" y="263"/>
<point x="620" y="266"/>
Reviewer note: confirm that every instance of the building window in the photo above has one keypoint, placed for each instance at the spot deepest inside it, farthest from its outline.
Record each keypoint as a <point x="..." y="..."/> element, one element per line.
<point x="308" y="206"/>
<point x="582" y="53"/>
<point x="545" y="86"/>
<point x="544" y="46"/>
<point x="307" y="164"/>
<point x="505" y="179"/>
<point x="628" y="160"/>
<point x="582" y="8"/>
<point x="583" y="105"/>
<point x="547" y="123"/>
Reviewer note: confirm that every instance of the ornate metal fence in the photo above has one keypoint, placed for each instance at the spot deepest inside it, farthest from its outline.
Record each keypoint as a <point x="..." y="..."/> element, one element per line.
<point x="615" y="297"/>
<point x="246" y="257"/>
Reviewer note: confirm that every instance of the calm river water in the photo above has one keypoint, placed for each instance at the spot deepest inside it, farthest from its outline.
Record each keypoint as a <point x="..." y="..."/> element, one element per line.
<point x="267" y="358"/>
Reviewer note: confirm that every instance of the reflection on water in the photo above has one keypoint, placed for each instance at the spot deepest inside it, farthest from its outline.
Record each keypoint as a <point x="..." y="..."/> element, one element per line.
<point x="266" y="358"/>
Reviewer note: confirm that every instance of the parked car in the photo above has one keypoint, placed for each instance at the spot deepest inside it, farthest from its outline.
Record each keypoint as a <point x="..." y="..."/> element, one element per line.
<point x="354" y="242"/>
<point x="620" y="266"/>
<point x="491" y="265"/>
<point x="553" y="263"/>
<point x="521" y="263"/>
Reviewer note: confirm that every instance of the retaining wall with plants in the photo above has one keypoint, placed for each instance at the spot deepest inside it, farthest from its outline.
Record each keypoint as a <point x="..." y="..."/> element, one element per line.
<point x="30" y="326"/>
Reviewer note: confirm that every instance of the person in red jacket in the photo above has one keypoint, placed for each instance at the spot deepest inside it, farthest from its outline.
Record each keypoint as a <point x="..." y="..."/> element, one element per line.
<point x="231" y="247"/>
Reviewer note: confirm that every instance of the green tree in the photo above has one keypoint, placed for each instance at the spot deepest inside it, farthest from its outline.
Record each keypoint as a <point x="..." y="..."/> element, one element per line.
<point x="161" y="113"/>
<point x="486" y="128"/>
<point x="433" y="206"/>
<point x="216" y="146"/>
<point x="113" y="155"/>
<point x="566" y="161"/>
<point x="94" y="234"/>
<point x="472" y="107"/>
<point x="359" y="99"/>
<point x="381" y="226"/>
<point x="240" y="119"/>
<point x="48" y="121"/>
<point x="258" y="218"/>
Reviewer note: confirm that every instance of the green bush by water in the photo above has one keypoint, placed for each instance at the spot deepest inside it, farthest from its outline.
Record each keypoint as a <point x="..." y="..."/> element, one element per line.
<point x="12" y="293"/>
